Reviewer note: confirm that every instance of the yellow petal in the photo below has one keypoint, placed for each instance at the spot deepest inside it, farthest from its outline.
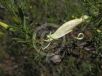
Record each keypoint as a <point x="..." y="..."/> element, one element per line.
<point x="4" y="25"/>
<point x="98" y="30"/>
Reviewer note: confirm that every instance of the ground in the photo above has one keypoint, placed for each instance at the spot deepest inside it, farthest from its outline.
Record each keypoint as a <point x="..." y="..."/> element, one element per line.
<point x="22" y="45"/>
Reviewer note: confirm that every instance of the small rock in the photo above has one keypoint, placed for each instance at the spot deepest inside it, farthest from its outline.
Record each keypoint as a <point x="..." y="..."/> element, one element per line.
<point x="89" y="48"/>
<point x="56" y="58"/>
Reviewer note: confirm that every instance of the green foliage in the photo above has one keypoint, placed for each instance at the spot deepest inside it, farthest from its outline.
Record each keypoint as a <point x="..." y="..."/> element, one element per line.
<point x="31" y="20"/>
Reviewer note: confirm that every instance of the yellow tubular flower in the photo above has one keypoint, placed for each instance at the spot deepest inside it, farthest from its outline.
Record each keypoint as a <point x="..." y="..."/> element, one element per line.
<point x="4" y="25"/>
<point x="66" y="28"/>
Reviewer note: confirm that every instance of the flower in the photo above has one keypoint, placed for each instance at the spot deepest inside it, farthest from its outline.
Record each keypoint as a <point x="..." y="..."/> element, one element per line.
<point x="66" y="28"/>
<point x="4" y="25"/>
